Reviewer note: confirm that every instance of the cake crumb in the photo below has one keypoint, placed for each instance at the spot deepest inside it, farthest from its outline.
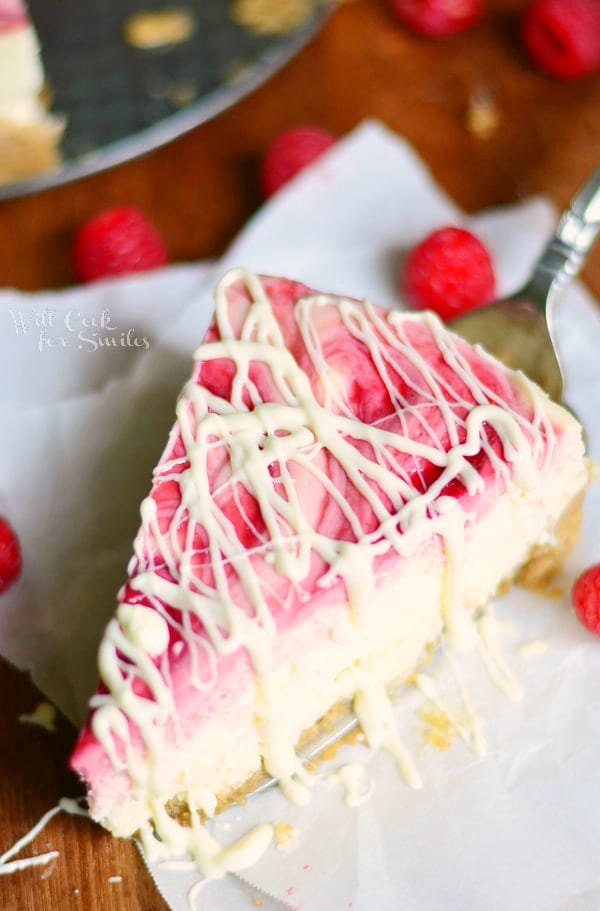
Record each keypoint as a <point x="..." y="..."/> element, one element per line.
<point x="236" y="71"/>
<point x="285" y="835"/>
<point x="554" y="592"/>
<point x="482" y="117"/>
<point x="271" y="17"/>
<point x="440" y="732"/>
<point x="150" y="29"/>
<point x="181" y="94"/>
<point x="43" y="715"/>
<point x="257" y="902"/>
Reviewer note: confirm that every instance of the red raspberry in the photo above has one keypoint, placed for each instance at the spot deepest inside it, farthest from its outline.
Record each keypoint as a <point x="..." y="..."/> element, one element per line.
<point x="438" y="18"/>
<point x="289" y="152"/>
<point x="10" y="555"/>
<point x="449" y="272"/>
<point x="562" y="37"/>
<point x="585" y="596"/>
<point x="115" y="242"/>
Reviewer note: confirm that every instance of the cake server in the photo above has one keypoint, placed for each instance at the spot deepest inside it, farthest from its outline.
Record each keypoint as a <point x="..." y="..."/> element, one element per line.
<point x="520" y="329"/>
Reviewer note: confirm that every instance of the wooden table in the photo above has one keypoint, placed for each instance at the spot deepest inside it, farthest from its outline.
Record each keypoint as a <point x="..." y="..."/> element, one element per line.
<point x="200" y="190"/>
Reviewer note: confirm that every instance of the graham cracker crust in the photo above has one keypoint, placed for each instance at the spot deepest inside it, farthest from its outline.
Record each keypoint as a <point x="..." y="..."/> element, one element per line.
<point x="27" y="150"/>
<point x="546" y="561"/>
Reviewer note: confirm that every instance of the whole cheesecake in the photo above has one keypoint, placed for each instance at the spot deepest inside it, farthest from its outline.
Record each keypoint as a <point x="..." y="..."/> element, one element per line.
<point x="29" y="135"/>
<point x="344" y="487"/>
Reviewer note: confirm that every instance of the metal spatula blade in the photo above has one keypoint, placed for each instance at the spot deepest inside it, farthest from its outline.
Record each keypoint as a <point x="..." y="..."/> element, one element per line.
<point x="519" y="330"/>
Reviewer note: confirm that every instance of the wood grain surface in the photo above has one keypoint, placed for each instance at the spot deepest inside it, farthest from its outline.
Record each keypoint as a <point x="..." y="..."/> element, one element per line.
<point x="200" y="190"/>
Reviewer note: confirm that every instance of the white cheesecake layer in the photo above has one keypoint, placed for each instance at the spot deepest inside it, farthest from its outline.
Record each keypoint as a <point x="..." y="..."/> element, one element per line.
<point x="21" y="76"/>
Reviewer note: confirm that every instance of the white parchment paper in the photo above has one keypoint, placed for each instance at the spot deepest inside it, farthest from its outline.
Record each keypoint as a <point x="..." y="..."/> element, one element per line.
<point x="88" y="384"/>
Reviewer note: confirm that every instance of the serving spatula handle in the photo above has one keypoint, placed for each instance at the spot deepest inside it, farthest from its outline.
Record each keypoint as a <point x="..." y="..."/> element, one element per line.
<point x="565" y="253"/>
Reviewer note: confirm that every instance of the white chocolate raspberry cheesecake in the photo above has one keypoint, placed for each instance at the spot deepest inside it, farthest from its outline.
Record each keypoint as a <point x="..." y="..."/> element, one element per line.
<point x="343" y="487"/>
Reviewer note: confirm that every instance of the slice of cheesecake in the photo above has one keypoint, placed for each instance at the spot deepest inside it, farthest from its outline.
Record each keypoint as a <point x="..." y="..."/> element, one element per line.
<point x="343" y="488"/>
<point x="29" y="136"/>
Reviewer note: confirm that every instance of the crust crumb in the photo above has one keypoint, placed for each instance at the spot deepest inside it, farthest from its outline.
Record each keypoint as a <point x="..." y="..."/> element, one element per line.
<point x="285" y="834"/>
<point x="482" y="117"/>
<point x="440" y="732"/>
<point x="271" y="17"/>
<point x="149" y="29"/>
<point x="44" y="716"/>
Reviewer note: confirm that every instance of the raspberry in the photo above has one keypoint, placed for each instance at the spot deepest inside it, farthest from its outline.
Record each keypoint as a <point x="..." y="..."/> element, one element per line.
<point x="437" y="18"/>
<point x="562" y="37"/>
<point x="585" y="596"/>
<point x="449" y="272"/>
<point x="289" y="153"/>
<point x="115" y="242"/>
<point x="10" y="555"/>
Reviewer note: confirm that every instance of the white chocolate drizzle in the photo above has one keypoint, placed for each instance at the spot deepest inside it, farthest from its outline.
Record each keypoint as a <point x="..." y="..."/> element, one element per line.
<point x="356" y="781"/>
<point x="469" y="732"/>
<point x="269" y="445"/>
<point x="496" y="665"/>
<point x="8" y="865"/>
<point x="218" y="860"/>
